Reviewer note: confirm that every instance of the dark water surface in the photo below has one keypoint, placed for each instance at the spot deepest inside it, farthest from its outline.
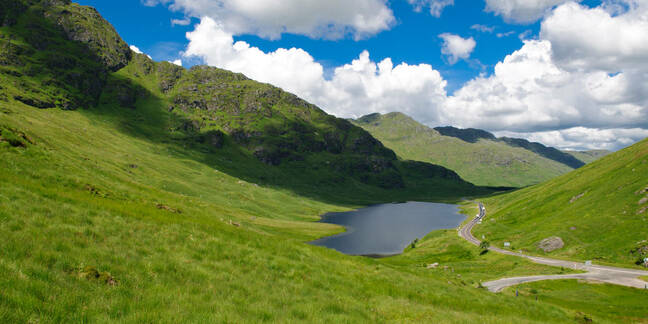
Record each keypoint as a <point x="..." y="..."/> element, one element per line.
<point x="388" y="229"/>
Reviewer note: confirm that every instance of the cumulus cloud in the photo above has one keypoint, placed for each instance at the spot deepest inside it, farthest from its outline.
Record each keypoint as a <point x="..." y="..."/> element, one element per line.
<point x="529" y="92"/>
<point x="177" y="62"/>
<point x="435" y="6"/>
<point x="522" y="11"/>
<point x="593" y="39"/>
<point x="331" y="19"/>
<point x="364" y="87"/>
<point x="457" y="47"/>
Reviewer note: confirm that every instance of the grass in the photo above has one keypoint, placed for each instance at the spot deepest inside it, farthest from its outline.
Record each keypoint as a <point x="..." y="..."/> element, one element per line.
<point x="598" y="302"/>
<point x="485" y="163"/>
<point x="72" y="200"/>
<point x="596" y="210"/>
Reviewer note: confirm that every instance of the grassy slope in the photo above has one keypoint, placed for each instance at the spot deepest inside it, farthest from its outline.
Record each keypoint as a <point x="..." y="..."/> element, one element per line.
<point x="598" y="302"/>
<point x="74" y="199"/>
<point x="603" y="225"/>
<point x="486" y="162"/>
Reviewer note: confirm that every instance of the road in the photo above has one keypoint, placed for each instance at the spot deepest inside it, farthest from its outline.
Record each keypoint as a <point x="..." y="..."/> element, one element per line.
<point x="611" y="275"/>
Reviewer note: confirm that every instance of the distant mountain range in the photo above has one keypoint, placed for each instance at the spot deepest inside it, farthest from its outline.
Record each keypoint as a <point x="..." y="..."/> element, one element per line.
<point x="476" y="155"/>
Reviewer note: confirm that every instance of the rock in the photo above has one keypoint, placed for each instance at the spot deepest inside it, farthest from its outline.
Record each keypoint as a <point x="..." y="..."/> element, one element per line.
<point x="551" y="244"/>
<point x="85" y="25"/>
<point x="577" y="197"/>
<point x="169" y="209"/>
<point x="643" y="201"/>
<point x="433" y="265"/>
<point x="642" y="210"/>
<point x="91" y="273"/>
<point x="642" y="191"/>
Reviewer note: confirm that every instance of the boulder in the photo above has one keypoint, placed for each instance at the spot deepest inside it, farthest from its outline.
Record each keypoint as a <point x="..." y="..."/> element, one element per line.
<point x="571" y="201"/>
<point x="551" y="244"/>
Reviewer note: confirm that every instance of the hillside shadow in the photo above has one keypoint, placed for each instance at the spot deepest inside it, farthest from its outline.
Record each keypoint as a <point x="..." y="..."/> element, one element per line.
<point x="151" y="119"/>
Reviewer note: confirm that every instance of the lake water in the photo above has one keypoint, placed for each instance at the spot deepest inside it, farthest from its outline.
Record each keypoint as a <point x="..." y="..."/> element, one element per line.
<point x="387" y="229"/>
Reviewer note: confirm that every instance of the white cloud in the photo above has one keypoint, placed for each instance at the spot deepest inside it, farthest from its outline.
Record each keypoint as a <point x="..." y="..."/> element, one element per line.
<point x="435" y="6"/>
<point x="592" y="39"/>
<point x="177" y="62"/>
<point x="135" y="49"/>
<point x="482" y="28"/>
<point x="522" y="11"/>
<point x="525" y="35"/>
<point x="529" y="93"/>
<point x="181" y="22"/>
<point x="364" y="87"/>
<point x="582" y="138"/>
<point x="456" y="47"/>
<point x="331" y="19"/>
<point x="506" y="34"/>
<point x="138" y="51"/>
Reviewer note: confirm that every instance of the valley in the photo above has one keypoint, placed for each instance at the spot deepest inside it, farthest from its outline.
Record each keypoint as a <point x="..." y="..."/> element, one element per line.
<point x="140" y="191"/>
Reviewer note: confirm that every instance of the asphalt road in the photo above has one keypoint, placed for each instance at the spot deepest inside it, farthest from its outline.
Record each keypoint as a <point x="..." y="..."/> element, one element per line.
<point x="611" y="275"/>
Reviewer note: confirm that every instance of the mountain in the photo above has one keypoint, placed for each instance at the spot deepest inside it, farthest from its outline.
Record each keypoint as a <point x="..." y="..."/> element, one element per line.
<point x="588" y="156"/>
<point x="476" y="155"/>
<point x="58" y="55"/>
<point x="600" y="211"/>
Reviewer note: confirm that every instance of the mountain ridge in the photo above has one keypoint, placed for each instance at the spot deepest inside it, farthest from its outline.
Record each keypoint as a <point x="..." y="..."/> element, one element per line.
<point x="476" y="155"/>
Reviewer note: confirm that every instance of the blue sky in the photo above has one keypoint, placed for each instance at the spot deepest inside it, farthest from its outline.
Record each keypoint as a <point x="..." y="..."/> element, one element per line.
<point x="414" y="39"/>
<point x="575" y="82"/>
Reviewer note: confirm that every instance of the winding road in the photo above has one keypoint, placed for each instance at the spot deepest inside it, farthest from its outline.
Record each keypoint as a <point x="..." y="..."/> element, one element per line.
<point x="611" y="275"/>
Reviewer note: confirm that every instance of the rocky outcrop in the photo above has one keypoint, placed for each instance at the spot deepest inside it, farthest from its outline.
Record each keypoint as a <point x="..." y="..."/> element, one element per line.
<point x="551" y="244"/>
<point x="84" y="24"/>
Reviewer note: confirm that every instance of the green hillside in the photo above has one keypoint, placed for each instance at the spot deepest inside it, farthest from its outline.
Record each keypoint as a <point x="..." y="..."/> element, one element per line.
<point x="475" y="155"/>
<point x="589" y="156"/>
<point x="139" y="192"/>
<point x="600" y="211"/>
<point x="59" y="55"/>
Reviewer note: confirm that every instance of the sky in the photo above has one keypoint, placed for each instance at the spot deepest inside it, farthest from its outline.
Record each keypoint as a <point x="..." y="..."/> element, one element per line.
<point x="569" y="74"/>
